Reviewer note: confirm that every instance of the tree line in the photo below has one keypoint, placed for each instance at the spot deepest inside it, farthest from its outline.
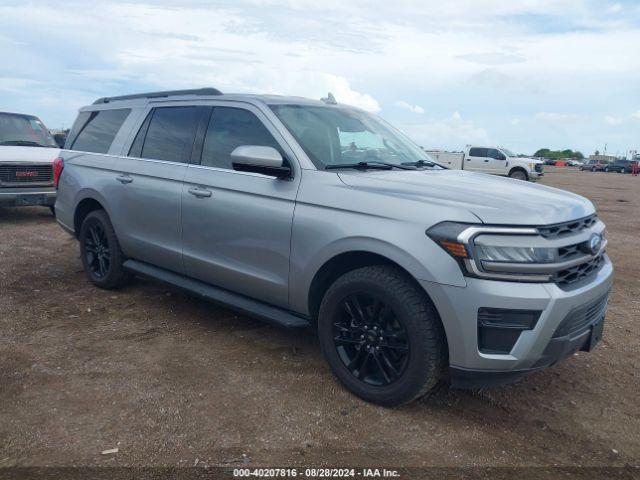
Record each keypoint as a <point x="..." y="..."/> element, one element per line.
<point x="557" y="154"/>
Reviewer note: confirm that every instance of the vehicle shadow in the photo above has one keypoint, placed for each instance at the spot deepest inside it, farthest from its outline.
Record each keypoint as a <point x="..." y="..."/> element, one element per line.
<point x="25" y="215"/>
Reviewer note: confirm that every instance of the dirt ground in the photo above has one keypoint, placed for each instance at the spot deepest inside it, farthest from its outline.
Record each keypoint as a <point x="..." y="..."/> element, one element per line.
<point x="175" y="381"/>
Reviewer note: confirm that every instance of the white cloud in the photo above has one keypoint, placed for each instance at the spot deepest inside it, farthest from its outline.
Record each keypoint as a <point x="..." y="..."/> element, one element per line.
<point x="636" y="115"/>
<point x="615" y="8"/>
<point x="493" y="60"/>
<point x="515" y="121"/>
<point x="451" y="133"/>
<point x="407" y="106"/>
<point x="560" y="118"/>
<point x="611" y="120"/>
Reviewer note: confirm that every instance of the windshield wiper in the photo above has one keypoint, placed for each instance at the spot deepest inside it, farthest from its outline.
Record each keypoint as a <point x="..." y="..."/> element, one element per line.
<point x="24" y="143"/>
<point x="365" y="165"/>
<point x="423" y="163"/>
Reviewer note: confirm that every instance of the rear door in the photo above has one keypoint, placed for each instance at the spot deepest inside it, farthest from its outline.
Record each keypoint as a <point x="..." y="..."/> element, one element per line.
<point x="237" y="225"/>
<point x="146" y="192"/>
<point x="476" y="160"/>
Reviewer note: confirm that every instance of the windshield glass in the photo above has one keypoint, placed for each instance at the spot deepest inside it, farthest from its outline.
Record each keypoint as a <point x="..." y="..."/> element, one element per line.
<point x="25" y="130"/>
<point x="333" y="136"/>
<point x="508" y="153"/>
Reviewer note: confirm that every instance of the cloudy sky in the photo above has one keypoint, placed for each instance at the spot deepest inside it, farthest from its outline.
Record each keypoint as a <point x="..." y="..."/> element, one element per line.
<point x="524" y="74"/>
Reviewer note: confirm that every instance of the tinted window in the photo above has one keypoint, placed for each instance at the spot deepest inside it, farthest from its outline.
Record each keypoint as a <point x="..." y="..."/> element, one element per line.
<point x="478" y="152"/>
<point x="99" y="129"/>
<point x="138" y="142"/>
<point x="170" y="134"/>
<point x="229" y="128"/>
<point x="493" y="153"/>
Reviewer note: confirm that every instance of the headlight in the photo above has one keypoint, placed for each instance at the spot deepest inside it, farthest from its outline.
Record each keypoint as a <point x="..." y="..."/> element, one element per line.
<point x="492" y="252"/>
<point x="496" y="253"/>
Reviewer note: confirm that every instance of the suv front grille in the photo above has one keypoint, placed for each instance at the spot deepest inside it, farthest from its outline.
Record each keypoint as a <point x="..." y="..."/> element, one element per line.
<point x="566" y="228"/>
<point x="581" y="318"/>
<point x="538" y="168"/>
<point x="574" y="274"/>
<point x="22" y="175"/>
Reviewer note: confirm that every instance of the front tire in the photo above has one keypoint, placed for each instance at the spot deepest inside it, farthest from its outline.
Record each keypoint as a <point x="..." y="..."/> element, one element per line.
<point x="100" y="251"/>
<point x="381" y="336"/>
<point x="518" y="174"/>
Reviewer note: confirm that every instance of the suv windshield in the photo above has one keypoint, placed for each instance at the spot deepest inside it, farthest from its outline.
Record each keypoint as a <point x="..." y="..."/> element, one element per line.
<point x="334" y="136"/>
<point x="24" y="130"/>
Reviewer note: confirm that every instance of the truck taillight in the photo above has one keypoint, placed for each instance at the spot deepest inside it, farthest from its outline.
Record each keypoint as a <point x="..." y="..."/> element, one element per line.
<point x="58" y="166"/>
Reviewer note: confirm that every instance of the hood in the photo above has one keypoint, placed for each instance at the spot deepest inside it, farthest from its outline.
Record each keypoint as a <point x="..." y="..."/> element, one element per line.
<point x="493" y="199"/>
<point x="28" y="154"/>
<point x="527" y="159"/>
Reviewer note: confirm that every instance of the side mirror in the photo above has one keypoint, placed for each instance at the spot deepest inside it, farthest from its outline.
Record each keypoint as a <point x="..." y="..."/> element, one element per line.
<point x="258" y="159"/>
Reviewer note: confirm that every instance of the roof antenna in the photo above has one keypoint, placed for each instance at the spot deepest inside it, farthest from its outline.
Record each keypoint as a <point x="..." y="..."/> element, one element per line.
<point x="330" y="99"/>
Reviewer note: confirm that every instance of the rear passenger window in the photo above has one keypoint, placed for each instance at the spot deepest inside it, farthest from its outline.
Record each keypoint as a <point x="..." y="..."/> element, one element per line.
<point x="98" y="130"/>
<point x="478" y="152"/>
<point x="170" y="134"/>
<point x="230" y="128"/>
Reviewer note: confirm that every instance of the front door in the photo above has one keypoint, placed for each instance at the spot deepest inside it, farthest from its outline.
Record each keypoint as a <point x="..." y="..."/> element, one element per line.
<point x="497" y="163"/>
<point x="237" y="225"/>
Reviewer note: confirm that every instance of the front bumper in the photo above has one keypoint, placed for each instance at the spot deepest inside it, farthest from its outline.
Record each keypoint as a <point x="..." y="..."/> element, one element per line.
<point x="535" y="348"/>
<point x="25" y="196"/>
<point x="534" y="176"/>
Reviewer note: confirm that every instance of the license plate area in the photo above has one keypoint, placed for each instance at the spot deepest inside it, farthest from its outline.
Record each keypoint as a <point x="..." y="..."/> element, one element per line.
<point x="30" y="199"/>
<point x="596" y="334"/>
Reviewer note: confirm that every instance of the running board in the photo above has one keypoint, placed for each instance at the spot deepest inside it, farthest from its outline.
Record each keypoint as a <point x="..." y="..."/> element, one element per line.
<point x="246" y="305"/>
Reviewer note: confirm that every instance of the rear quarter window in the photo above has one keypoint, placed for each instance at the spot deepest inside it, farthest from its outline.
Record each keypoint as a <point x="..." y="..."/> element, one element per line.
<point x="94" y="131"/>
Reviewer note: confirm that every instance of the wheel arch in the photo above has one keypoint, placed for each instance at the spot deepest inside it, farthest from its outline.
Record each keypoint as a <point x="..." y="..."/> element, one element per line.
<point x="85" y="205"/>
<point x="347" y="261"/>
<point x="521" y="169"/>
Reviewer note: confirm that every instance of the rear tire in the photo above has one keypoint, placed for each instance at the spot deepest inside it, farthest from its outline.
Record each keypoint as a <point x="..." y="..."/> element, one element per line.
<point x="381" y="336"/>
<point x="100" y="251"/>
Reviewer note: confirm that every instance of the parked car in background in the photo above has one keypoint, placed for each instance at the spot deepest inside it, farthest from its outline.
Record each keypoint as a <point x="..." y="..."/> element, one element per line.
<point x="574" y="163"/>
<point x="493" y="160"/>
<point x="549" y="161"/>
<point x="27" y="152"/>
<point x="310" y="213"/>
<point x="594" y="165"/>
<point x="620" y="166"/>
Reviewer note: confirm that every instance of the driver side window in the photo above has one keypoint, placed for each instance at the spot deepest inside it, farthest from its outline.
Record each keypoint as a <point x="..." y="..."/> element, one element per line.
<point x="496" y="154"/>
<point x="230" y="128"/>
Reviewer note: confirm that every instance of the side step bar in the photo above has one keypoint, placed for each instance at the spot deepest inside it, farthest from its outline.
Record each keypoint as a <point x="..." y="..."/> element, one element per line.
<point x="246" y="305"/>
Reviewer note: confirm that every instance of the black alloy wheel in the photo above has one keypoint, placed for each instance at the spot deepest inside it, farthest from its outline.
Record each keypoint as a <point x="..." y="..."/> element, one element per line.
<point x="371" y="340"/>
<point x="96" y="250"/>
<point x="100" y="251"/>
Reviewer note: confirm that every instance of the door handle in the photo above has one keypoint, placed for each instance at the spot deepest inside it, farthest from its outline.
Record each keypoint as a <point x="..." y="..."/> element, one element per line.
<point x="199" y="192"/>
<point x="124" y="179"/>
<point x="486" y="160"/>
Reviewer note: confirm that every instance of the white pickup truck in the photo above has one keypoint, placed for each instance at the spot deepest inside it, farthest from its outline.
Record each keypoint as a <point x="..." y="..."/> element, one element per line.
<point x="27" y="152"/>
<point x="494" y="160"/>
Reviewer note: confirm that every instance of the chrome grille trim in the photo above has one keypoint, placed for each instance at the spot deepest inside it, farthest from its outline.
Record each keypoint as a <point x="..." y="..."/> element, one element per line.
<point x="22" y="175"/>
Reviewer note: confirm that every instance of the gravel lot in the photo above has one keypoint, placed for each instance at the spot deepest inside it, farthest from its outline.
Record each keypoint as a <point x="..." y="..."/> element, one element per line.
<point x="172" y="380"/>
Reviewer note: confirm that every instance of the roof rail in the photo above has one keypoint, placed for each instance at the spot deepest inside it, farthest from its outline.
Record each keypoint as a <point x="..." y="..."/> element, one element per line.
<point x="167" y="93"/>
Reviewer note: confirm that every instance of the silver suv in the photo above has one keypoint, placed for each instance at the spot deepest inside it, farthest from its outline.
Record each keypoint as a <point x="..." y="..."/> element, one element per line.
<point x="310" y="213"/>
